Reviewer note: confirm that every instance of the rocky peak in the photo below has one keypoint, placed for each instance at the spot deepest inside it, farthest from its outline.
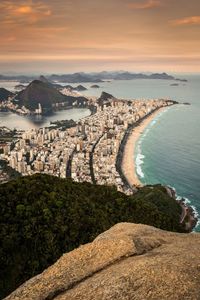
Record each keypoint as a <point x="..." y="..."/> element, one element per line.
<point x="43" y="79"/>
<point x="129" y="261"/>
<point x="105" y="98"/>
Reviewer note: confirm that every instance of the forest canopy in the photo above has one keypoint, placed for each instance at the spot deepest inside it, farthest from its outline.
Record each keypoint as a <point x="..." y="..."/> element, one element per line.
<point x="43" y="217"/>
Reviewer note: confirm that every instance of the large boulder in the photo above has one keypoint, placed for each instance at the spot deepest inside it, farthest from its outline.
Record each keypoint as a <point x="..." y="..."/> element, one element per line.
<point x="128" y="261"/>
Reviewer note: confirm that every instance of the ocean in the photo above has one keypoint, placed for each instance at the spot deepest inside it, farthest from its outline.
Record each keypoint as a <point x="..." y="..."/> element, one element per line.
<point x="168" y="151"/>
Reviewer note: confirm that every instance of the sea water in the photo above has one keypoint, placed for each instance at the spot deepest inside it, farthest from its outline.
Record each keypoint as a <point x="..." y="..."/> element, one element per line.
<point x="20" y="122"/>
<point x="168" y="151"/>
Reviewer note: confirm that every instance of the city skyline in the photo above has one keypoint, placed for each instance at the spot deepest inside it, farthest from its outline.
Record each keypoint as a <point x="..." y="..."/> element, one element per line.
<point x="70" y="36"/>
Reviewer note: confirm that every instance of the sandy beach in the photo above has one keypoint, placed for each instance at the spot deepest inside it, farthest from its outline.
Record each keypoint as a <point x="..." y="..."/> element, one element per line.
<point x="128" y="160"/>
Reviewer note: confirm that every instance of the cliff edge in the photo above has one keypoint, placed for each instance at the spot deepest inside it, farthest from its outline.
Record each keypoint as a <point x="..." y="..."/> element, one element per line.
<point x="129" y="261"/>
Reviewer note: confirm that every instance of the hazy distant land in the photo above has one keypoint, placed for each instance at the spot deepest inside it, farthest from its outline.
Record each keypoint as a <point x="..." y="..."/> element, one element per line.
<point x="92" y="77"/>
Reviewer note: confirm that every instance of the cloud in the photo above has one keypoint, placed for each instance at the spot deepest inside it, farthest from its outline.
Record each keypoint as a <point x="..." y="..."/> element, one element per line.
<point x="23" y="12"/>
<point x="194" y="20"/>
<point x="145" y="4"/>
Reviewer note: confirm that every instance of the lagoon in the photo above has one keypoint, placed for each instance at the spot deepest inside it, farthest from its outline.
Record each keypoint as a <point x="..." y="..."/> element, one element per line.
<point x="20" y="122"/>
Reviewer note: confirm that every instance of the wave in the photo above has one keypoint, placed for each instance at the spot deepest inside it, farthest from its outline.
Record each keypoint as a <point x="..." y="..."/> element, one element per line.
<point x="153" y="122"/>
<point x="139" y="161"/>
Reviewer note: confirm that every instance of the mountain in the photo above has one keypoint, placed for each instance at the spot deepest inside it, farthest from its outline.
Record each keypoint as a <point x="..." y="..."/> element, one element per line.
<point x="105" y="98"/>
<point x="82" y="77"/>
<point x="100" y="77"/>
<point x="80" y="88"/>
<point x="164" y="76"/>
<point x="129" y="261"/>
<point x="75" y="78"/>
<point x="44" y="79"/>
<point x="45" y="94"/>
<point x="43" y="217"/>
<point x="4" y="94"/>
<point x="50" y="83"/>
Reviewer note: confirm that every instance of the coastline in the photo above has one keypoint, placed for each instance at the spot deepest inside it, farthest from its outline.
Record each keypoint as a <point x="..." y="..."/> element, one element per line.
<point x="188" y="217"/>
<point x="128" y="160"/>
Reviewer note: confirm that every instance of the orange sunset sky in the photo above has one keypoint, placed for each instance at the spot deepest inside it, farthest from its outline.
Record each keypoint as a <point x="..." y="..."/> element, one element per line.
<point x="91" y="35"/>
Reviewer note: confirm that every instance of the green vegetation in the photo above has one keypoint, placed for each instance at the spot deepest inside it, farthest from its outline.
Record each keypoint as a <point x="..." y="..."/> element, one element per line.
<point x="10" y="172"/>
<point x="43" y="216"/>
<point x="64" y="124"/>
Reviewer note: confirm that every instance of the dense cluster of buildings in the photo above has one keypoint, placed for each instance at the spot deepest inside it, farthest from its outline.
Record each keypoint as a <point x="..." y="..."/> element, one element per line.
<point x="21" y="110"/>
<point x="9" y="105"/>
<point x="86" y="152"/>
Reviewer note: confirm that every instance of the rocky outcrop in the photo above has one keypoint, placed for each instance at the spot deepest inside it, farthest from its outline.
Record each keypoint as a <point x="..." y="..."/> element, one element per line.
<point x="128" y="261"/>
<point x="105" y="99"/>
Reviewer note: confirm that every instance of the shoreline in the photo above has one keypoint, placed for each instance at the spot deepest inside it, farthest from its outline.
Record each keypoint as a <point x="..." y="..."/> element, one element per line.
<point x="188" y="216"/>
<point x="128" y="165"/>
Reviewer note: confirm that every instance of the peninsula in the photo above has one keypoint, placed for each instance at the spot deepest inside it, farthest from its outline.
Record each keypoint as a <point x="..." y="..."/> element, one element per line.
<point x="90" y="150"/>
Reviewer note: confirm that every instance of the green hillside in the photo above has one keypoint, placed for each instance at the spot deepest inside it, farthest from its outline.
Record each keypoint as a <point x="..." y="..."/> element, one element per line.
<point x="43" y="217"/>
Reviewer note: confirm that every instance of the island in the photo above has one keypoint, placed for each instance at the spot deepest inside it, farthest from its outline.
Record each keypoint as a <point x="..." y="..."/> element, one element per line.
<point x="174" y="84"/>
<point x="95" y="86"/>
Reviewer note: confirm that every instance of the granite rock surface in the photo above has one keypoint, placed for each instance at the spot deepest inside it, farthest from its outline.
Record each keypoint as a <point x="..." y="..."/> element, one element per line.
<point x="127" y="262"/>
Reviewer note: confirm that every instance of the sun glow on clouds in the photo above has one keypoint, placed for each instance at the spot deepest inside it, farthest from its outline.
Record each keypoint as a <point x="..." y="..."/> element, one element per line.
<point x="194" y="20"/>
<point x="145" y="4"/>
<point x="100" y="33"/>
<point x="18" y="12"/>
<point x="24" y="10"/>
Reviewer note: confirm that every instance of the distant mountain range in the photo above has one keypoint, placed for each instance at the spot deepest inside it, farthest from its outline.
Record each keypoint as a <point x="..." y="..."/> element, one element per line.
<point x="91" y="77"/>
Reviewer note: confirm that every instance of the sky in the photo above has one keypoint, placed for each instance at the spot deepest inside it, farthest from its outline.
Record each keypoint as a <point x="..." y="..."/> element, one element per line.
<point x="64" y="36"/>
